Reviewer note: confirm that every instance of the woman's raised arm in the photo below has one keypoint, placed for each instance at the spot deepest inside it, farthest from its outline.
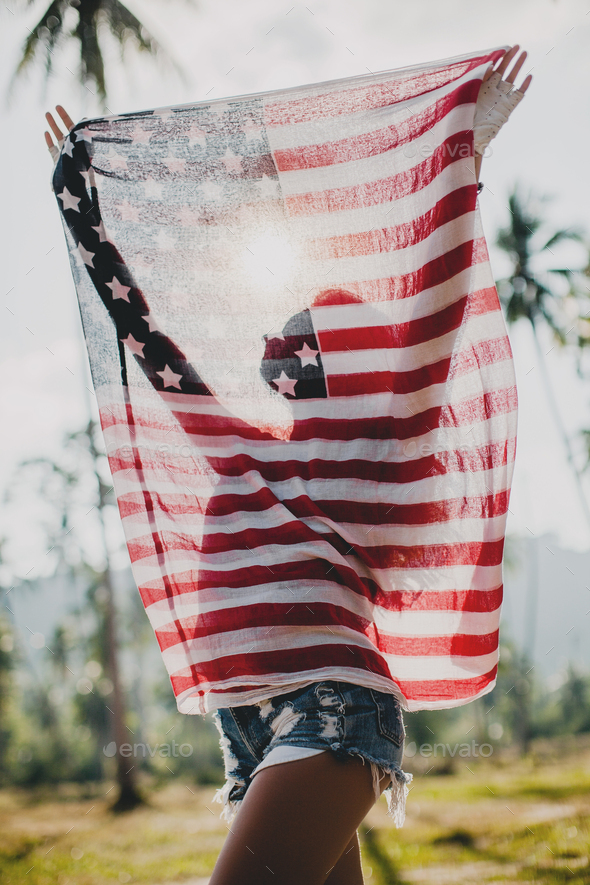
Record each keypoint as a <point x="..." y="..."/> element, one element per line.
<point x="499" y="98"/>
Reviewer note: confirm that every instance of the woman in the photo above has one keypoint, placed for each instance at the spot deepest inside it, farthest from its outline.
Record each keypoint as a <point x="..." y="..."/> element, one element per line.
<point x="298" y="821"/>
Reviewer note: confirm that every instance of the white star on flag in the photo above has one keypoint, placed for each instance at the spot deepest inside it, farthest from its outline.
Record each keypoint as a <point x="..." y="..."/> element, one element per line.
<point x="84" y="134"/>
<point x="86" y="255"/>
<point x="69" y="200"/>
<point x="232" y="161"/>
<point x="153" y="189"/>
<point x="251" y="130"/>
<point x="169" y="377"/>
<point x="152" y="322"/>
<point x="141" y="135"/>
<point x="128" y="211"/>
<point x="199" y="136"/>
<point x="118" y="289"/>
<point x="119" y="163"/>
<point x="88" y="176"/>
<point x="210" y="191"/>
<point x="187" y="215"/>
<point x="285" y="384"/>
<point x="272" y="335"/>
<point x="175" y="165"/>
<point x="134" y="346"/>
<point x="307" y="356"/>
<point x="68" y="146"/>
<point x="100" y="230"/>
<point x="165" y="240"/>
<point x="268" y="187"/>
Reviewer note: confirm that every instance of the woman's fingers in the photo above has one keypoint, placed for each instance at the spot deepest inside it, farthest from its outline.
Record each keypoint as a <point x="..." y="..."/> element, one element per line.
<point x="69" y="123"/>
<point x="488" y="73"/>
<point x="54" y="127"/>
<point x="526" y="83"/>
<point x="517" y="66"/>
<point x="67" y="120"/>
<point x="508" y="56"/>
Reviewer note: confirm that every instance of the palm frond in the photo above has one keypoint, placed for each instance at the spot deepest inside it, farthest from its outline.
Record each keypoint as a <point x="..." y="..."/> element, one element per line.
<point x="524" y="293"/>
<point x="558" y="332"/>
<point x="565" y="272"/>
<point x="44" y="36"/>
<point x="568" y="234"/>
<point x="125" y="26"/>
<point x="92" y="15"/>
<point x="91" y="60"/>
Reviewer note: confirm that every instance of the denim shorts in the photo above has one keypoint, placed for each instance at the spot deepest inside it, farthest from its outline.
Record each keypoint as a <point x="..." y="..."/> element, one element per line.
<point x="345" y="719"/>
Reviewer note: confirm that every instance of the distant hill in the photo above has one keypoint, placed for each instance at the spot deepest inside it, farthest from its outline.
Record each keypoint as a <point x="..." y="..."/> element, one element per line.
<point x="555" y="619"/>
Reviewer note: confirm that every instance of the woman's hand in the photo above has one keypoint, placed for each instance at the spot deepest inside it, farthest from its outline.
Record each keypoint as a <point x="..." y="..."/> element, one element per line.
<point x="504" y="62"/>
<point x="496" y="100"/>
<point x="54" y="149"/>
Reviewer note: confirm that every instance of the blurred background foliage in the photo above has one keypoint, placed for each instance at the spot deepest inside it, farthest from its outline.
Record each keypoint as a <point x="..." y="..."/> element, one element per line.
<point x="89" y="25"/>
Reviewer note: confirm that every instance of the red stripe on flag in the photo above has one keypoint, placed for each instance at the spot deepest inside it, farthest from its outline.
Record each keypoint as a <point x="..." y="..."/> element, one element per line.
<point x="309" y="571"/>
<point x="337" y="101"/>
<point x="284" y="660"/>
<point x="409" y="470"/>
<point x="370" y="144"/>
<point x="458" y="644"/>
<point x="471" y="411"/>
<point x="304" y="571"/>
<point x="440" y="600"/>
<point x="395" y="335"/>
<point x="433" y="273"/>
<point x="486" y="353"/>
<point x="401" y="236"/>
<point x="259" y="615"/>
<point x="432" y="690"/>
<point x="427" y="513"/>
<point x="457" y="146"/>
<point x="295" y="532"/>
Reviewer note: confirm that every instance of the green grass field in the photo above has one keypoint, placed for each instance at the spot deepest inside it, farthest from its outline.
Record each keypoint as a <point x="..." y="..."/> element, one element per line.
<point x="503" y="821"/>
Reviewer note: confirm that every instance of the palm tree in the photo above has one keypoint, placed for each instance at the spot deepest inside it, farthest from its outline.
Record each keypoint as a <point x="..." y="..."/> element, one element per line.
<point x="83" y="21"/>
<point x="80" y="475"/>
<point x="129" y="796"/>
<point x="529" y="295"/>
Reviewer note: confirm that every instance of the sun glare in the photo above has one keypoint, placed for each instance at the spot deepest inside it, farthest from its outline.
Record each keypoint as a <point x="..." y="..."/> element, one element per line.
<point x="269" y="259"/>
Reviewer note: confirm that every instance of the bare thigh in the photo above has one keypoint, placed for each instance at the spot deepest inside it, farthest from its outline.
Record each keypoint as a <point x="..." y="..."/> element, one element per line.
<point x="348" y="868"/>
<point x="297" y="820"/>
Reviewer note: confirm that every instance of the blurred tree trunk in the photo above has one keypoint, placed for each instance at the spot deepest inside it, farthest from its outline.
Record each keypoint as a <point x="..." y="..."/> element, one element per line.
<point x="129" y="796"/>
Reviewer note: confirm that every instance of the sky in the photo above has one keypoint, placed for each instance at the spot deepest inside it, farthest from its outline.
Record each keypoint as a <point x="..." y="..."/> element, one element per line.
<point x="229" y="47"/>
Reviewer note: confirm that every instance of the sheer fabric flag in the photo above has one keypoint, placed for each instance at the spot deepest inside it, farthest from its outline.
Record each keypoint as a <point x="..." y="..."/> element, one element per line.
<point x="304" y="380"/>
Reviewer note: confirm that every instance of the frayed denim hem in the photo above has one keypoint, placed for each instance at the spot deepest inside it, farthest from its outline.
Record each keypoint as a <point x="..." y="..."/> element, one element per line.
<point x="396" y="793"/>
<point x="230" y="806"/>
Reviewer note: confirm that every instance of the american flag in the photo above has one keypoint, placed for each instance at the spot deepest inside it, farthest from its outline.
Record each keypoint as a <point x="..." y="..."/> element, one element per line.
<point x="304" y="379"/>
